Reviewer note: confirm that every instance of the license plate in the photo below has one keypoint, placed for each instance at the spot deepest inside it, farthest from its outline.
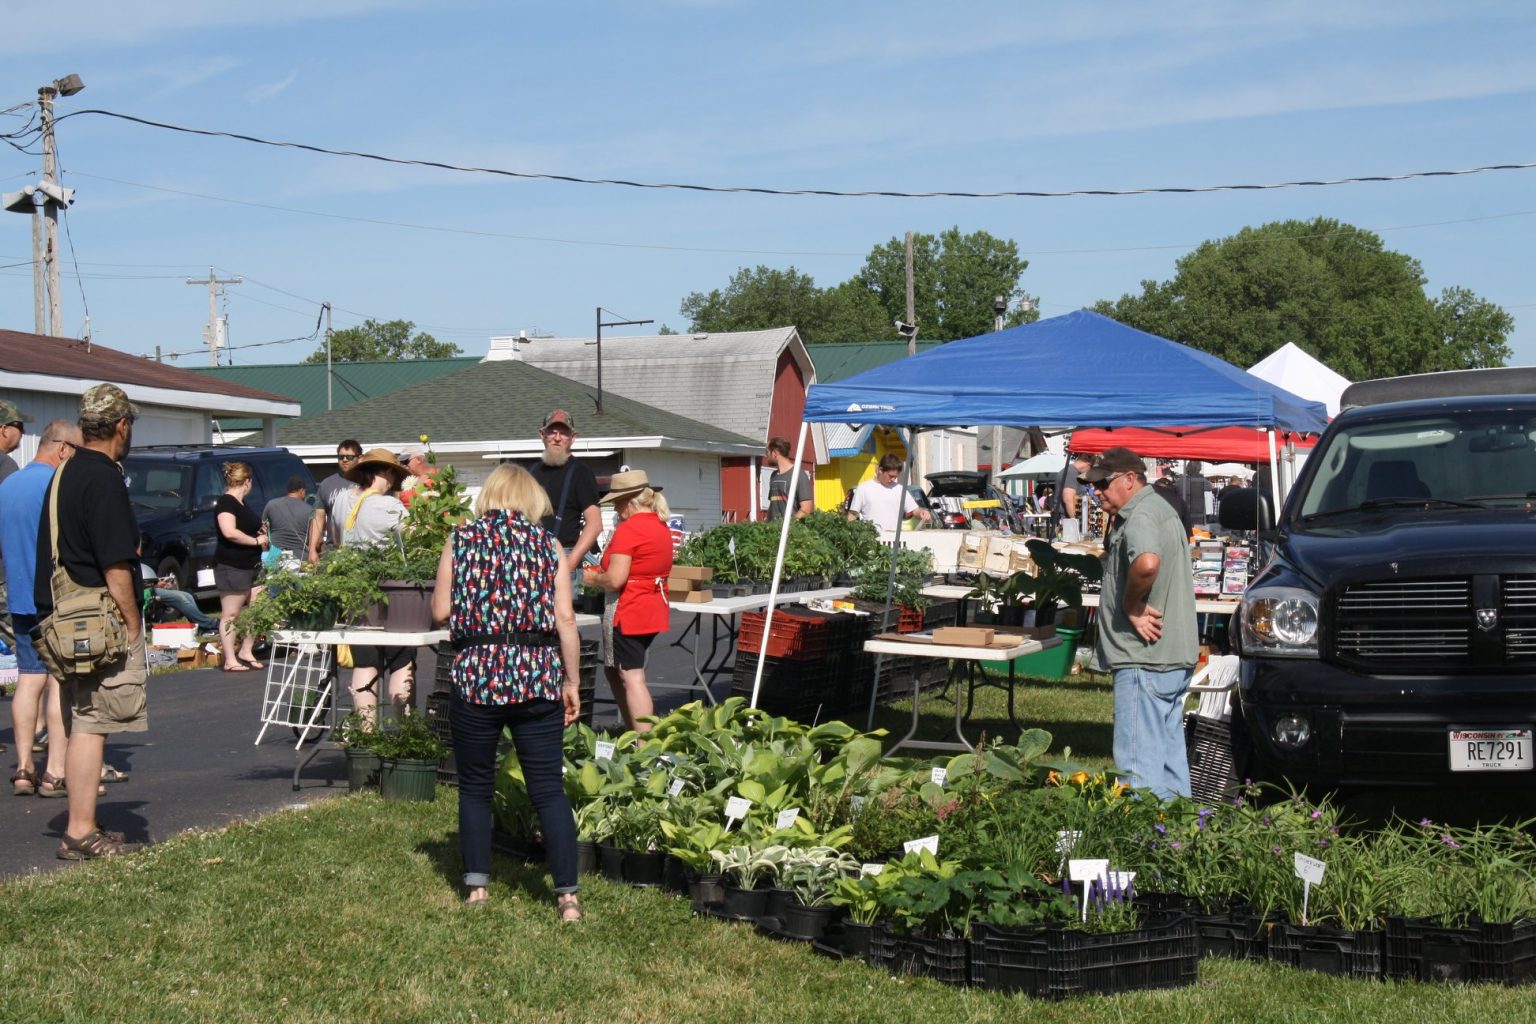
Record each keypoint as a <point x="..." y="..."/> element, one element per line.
<point x="1491" y="750"/>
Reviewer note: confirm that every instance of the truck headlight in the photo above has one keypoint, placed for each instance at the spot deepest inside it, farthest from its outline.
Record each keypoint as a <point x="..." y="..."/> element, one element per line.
<point x="1280" y="622"/>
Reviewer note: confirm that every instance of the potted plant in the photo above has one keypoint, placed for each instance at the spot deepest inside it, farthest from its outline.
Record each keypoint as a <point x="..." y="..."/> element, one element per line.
<point x="812" y="874"/>
<point x="1056" y="582"/>
<point x="743" y="869"/>
<point x="410" y="753"/>
<point x="694" y="845"/>
<point x="913" y="567"/>
<point x="363" y="762"/>
<point x="637" y="829"/>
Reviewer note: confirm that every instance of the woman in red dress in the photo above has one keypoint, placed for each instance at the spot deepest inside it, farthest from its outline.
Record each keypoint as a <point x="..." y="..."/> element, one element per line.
<point x="635" y="565"/>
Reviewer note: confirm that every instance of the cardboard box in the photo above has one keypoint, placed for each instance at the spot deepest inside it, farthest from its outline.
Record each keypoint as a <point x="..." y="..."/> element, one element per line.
<point x="1019" y="559"/>
<point x="963" y="636"/>
<point x="699" y="573"/>
<point x="695" y="597"/>
<point x="999" y="556"/>
<point x="678" y="590"/>
<point x="973" y="552"/>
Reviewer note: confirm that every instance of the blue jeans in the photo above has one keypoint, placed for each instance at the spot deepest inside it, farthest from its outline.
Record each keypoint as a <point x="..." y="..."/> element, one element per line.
<point x="1149" y="729"/>
<point x="181" y="601"/>
<point x="538" y="728"/>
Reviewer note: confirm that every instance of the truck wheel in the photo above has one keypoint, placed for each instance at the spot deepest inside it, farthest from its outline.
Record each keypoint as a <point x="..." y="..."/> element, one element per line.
<point x="169" y="566"/>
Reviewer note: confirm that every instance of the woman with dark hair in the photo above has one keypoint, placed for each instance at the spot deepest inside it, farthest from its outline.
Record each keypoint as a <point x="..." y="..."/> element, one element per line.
<point x="508" y="608"/>
<point x="371" y="516"/>
<point x="236" y="562"/>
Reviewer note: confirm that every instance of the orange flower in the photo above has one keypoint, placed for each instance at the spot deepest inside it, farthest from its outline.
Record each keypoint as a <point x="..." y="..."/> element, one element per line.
<point x="1053" y="778"/>
<point x="1079" y="778"/>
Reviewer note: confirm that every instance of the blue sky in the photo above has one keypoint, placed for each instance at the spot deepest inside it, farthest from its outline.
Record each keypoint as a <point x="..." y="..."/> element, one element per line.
<point x="848" y="96"/>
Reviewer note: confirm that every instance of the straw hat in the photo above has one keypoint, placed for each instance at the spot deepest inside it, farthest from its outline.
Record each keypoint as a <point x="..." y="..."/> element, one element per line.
<point x="376" y="458"/>
<point x="626" y="485"/>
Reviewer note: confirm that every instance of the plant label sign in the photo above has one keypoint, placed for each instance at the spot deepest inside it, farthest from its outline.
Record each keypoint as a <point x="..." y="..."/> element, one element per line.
<point x="675" y="788"/>
<point x="1066" y="839"/>
<point x="1087" y="871"/>
<point x="1120" y="881"/>
<point x="871" y="869"/>
<point x="855" y="804"/>
<point x="938" y="775"/>
<point x="786" y="818"/>
<point x="929" y="843"/>
<point x="735" y="809"/>
<point x="1310" y="869"/>
<point x="604" y="751"/>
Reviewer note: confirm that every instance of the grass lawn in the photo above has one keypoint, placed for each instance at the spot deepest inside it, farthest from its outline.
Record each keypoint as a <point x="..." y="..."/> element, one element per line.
<point x="349" y="911"/>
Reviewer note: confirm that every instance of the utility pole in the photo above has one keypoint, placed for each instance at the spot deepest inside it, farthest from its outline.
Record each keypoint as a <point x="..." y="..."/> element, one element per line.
<point x="211" y="332"/>
<point x="327" y="308"/>
<point x="599" y="342"/>
<point x="45" y="97"/>
<point x="911" y="302"/>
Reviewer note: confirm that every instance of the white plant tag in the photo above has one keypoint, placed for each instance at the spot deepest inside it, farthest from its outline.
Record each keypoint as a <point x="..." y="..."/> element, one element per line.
<point x="736" y="808"/>
<point x="1087" y="870"/>
<point x="871" y="869"/>
<point x="604" y="751"/>
<point x="1120" y="881"/>
<point x="1066" y="839"/>
<point x="855" y="804"/>
<point x="938" y="775"/>
<point x="929" y="843"/>
<point x="675" y="788"/>
<point x="1309" y="869"/>
<point x="786" y="818"/>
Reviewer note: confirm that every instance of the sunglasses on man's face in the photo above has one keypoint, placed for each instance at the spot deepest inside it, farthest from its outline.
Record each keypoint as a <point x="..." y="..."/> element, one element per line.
<point x="347" y="458"/>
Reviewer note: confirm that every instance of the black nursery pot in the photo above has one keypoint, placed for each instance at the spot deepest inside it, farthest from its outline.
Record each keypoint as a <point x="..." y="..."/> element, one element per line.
<point x="808" y="922"/>
<point x="586" y="857"/>
<point x="644" y="868"/>
<point x="610" y="860"/>
<point x="856" y="939"/>
<point x="674" y="875"/>
<point x="746" y="903"/>
<point x="778" y="902"/>
<point x="705" y="889"/>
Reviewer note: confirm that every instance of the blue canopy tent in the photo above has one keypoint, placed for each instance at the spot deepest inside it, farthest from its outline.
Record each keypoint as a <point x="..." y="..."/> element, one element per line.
<point x="1081" y="369"/>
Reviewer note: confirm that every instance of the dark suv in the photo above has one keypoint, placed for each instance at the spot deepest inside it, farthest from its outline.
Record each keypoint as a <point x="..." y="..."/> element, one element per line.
<point x="173" y="490"/>
<point x="1391" y="638"/>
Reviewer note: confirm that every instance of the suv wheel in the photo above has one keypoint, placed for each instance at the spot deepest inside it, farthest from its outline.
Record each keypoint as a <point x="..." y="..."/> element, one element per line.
<point x="169" y="566"/>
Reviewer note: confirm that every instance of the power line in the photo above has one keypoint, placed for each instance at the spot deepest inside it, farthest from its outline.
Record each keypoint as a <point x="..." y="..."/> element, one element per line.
<point x="830" y="193"/>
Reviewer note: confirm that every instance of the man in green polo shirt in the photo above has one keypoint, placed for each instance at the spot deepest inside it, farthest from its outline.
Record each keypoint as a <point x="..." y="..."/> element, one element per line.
<point x="1147" y="635"/>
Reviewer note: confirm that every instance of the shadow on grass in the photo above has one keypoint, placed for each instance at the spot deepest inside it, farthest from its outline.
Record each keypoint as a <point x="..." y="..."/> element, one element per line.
<point x="529" y="878"/>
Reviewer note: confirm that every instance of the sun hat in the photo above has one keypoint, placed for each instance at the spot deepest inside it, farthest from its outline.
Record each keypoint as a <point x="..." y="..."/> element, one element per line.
<point x="626" y="485"/>
<point x="373" y="459"/>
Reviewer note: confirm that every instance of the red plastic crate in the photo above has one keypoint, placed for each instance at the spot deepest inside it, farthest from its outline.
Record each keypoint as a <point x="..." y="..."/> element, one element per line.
<point x="793" y="637"/>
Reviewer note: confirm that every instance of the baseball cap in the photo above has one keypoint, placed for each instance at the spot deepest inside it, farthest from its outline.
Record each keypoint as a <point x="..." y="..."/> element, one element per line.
<point x="107" y="403"/>
<point x="1114" y="460"/>
<point x="559" y="416"/>
<point x="10" y="414"/>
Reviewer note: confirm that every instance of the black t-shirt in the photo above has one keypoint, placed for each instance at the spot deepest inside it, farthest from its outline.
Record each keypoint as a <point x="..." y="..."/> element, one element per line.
<point x="226" y="551"/>
<point x="778" y="492"/>
<point x="97" y="528"/>
<point x="581" y="494"/>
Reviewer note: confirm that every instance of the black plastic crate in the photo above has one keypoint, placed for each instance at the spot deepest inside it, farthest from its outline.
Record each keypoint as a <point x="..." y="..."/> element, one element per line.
<point x="799" y="690"/>
<point x="1422" y="949"/>
<point x="1337" y="951"/>
<point x="437" y="716"/>
<point x="946" y="960"/>
<point x="1058" y="963"/>
<point x="1212" y="775"/>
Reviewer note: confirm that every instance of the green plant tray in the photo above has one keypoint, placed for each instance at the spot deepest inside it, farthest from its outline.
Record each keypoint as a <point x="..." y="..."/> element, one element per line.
<point x="1051" y="663"/>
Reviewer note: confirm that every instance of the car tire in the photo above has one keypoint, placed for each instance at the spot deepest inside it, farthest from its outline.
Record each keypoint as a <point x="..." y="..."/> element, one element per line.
<point x="170" y="566"/>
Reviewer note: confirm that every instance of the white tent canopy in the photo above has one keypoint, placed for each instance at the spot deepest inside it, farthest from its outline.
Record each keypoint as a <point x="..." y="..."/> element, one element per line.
<point x="1291" y="368"/>
<point x="1047" y="463"/>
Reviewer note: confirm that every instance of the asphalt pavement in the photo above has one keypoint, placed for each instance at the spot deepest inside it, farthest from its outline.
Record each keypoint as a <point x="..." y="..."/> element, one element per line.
<point x="198" y="766"/>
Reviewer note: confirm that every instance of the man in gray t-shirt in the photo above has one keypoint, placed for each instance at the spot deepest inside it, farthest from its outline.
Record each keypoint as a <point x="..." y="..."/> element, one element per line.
<point x="290" y="523"/>
<point x="1147" y="636"/>
<point x="334" y="486"/>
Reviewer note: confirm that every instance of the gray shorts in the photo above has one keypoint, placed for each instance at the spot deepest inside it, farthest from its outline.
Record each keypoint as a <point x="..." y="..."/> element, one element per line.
<point x="229" y="579"/>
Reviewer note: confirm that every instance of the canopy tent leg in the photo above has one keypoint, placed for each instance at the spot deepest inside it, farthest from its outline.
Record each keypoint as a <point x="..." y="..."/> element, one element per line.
<point x="1274" y="474"/>
<point x="778" y="563"/>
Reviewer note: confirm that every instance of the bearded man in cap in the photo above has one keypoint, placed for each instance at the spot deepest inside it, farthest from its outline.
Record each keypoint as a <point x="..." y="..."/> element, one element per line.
<point x="572" y="489"/>
<point x="1147" y="637"/>
<point x="98" y="541"/>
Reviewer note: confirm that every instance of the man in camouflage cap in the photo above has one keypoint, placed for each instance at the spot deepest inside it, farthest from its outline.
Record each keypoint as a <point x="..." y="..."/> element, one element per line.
<point x="98" y="543"/>
<point x="11" y="431"/>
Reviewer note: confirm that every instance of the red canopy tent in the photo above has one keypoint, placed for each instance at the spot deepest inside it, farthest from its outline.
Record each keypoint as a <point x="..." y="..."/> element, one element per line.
<point x="1218" y="444"/>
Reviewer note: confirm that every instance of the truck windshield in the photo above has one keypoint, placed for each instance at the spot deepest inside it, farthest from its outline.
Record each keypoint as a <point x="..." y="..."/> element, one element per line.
<point x="1485" y="458"/>
<point x="156" y="487"/>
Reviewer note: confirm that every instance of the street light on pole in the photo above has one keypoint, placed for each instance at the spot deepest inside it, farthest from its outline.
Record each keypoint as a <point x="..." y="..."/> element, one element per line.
<point x="66" y="86"/>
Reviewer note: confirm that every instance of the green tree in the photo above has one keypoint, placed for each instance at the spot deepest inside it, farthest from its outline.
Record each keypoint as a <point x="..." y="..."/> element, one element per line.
<point x="956" y="277"/>
<point x="1331" y="288"/>
<point x="390" y="340"/>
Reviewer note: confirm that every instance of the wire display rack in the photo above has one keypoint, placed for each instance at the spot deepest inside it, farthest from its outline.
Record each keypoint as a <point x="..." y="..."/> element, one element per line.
<point x="300" y="690"/>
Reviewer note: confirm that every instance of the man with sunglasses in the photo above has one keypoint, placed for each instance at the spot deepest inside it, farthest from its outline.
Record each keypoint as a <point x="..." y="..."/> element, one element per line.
<point x="1147" y="637"/>
<point x="347" y="454"/>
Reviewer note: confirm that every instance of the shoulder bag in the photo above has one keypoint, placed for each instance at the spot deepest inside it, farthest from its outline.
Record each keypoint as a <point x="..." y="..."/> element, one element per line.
<point x="85" y="633"/>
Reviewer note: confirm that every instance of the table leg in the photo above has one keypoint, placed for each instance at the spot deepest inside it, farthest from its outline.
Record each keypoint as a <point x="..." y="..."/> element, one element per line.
<point x="959" y="735"/>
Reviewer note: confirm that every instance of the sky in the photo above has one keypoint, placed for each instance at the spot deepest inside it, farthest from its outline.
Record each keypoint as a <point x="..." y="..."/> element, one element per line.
<point x="846" y="96"/>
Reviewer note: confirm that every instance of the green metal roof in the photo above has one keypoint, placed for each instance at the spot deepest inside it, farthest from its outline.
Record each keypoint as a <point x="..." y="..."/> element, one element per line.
<point x="352" y="382"/>
<point x="494" y="401"/>
<point x="839" y="359"/>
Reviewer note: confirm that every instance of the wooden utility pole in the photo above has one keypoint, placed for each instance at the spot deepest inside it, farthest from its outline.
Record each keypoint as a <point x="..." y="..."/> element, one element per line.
<point x="911" y="302"/>
<point x="45" y="97"/>
<point x="211" y="332"/>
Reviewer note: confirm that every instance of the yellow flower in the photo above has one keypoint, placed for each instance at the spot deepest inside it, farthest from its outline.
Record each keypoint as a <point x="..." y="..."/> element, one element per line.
<point x="424" y="438"/>
<point x="1079" y="778"/>
<point x="1053" y="778"/>
<point x="1121" y="787"/>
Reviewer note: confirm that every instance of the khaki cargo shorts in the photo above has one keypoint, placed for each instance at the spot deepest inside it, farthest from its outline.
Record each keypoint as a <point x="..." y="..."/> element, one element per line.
<point x="109" y="702"/>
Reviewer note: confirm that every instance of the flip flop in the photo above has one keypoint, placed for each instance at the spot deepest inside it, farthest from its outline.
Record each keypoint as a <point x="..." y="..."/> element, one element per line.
<point x="251" y="663"/>
<point x="242" y="667"/>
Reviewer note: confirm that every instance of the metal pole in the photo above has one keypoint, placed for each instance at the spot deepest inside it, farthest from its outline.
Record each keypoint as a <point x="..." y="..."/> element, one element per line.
<point x="599" y="318"/>
<point x="778" y="563"/>
<point x="45" y="97"/>
<point x="327" y="308"/>
<point x="39" y="287"/>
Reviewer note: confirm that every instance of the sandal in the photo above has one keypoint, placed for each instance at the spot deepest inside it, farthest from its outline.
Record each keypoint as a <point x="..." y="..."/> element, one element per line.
<point x="568" y="905"/>
<point x="50" y="786"/>
<point x="24" y="782"/>
<point x="111" y="774"/>
<point x="238" y="666"/>
<point x="477" y="899"/>
<point x="250" y="662"/>
<point x="92" y="846"/>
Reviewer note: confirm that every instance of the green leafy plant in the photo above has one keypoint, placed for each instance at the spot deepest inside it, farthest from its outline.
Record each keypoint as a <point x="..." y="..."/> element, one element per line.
<point x="913" y="567"/>
<point x="1057" y="581"/>
<point x="410" y="739"/>
<point x="357" y="733"/>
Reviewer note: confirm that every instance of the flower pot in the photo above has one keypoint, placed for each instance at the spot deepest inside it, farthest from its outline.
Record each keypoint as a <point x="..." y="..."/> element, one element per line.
<point x="674" y="875"/>
<point x="410" y="606"/>
<point x="644" y="868"/>
<point x="610" y="860"/>
<point x="408" y="779"/>
<point x="586" y="857"/>
<point x="810" y="923"/>
<point x="362" y="770"/>
<point x="856" y="940"/>
<point x="778" y="901"/>
<point x="744" y="903"/>
<point x="704" y="889"/>
<point x="1051" y="663"/>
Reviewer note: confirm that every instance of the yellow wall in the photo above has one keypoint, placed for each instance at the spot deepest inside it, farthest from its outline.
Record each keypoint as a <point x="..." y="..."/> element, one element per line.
<point x="839" y="476"/>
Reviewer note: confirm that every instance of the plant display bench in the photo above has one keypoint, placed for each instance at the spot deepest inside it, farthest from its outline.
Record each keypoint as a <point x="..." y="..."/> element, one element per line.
<point x="723" y="614"/>
<point x="956" y="656"/>
<point x="305" y="658"/>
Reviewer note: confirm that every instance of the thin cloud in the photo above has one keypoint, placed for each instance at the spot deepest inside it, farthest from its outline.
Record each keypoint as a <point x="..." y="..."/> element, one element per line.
<point x="265" y="92"/>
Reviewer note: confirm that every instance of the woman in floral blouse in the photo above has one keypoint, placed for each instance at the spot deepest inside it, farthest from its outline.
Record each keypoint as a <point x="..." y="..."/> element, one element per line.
<point x="510" y="618"/>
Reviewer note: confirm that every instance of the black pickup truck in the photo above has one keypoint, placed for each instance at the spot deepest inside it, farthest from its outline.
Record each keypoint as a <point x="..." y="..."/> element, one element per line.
<point x="1391" y="637"/>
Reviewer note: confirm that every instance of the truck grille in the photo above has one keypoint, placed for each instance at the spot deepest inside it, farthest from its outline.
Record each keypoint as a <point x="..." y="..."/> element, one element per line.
<point x="1430" y="625"/>
<point x="1400" y="621"/>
